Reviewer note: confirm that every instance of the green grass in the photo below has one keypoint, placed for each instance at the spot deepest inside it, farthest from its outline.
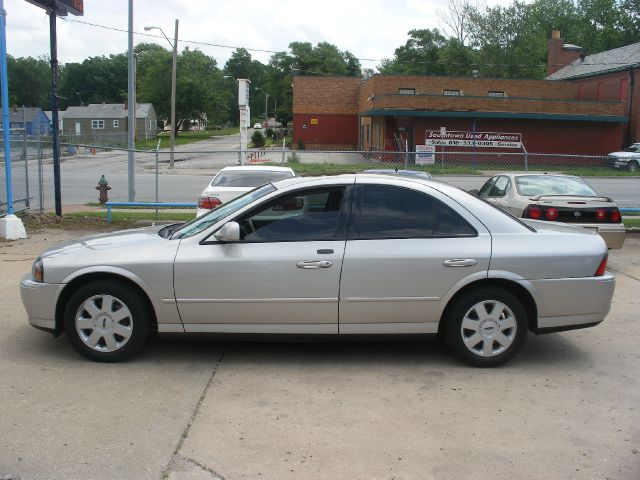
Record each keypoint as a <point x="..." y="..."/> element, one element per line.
<point x="184" y="138"/>
<point x="569" y="170"/>
<point x="118" y="216"/>
<point x="631" y="222"/>
<point x="308" y="169"/>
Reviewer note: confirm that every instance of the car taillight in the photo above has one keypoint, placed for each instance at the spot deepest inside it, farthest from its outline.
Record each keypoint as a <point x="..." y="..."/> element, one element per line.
<point x="551" y="213"/>
<point x="601" y="215"/>
<point x="602" y="268"/>
<point x="615" y="215"/>
<point x="209" y="203"/>
<point x="533" y="212"/>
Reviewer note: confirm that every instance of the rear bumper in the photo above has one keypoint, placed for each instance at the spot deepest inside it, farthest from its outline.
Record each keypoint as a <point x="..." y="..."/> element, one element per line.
<point x="570" y="303"/>
<point x="613" y="233"/>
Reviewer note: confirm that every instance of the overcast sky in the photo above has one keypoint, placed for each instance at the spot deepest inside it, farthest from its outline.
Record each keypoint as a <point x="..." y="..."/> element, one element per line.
<point x="370" y="29"/>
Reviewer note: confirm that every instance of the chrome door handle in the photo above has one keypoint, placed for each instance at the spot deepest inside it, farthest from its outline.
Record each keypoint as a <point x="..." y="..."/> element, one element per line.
<point x="460" y="262"/>
<point x="307" y="264"/>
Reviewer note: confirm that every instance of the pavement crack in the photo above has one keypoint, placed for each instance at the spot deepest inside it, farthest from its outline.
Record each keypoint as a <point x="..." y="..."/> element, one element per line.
<point x="204" y="467"/>
<point x="625" y="274"/>
<point x="194" y="414"/>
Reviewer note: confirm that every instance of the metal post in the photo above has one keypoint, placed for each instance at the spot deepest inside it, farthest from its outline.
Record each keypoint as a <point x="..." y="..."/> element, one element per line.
<point x="406" y="154"/>
<point x="283" y="142"/>
<point x="5" y="107"/>
<point x="475" y="165"/>
<point x="172" y="138"/>
<point x="54" y="109"/>
<point x="266" y="109"/>
<point x="24" y="156"/>
<point x="40" y="181"/>
<point x="157" y="154"/>
<point x="131" y="94"/>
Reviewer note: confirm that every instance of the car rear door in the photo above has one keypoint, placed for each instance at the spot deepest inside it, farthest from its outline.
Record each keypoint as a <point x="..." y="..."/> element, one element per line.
<point x="407" y="249"/>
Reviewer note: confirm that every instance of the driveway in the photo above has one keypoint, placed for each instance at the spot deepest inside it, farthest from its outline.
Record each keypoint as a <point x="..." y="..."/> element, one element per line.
<point x="566" y="407"/>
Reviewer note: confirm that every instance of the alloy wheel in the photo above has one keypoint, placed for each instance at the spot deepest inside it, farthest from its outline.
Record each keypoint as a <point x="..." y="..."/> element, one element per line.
<point x="104" y="323"/>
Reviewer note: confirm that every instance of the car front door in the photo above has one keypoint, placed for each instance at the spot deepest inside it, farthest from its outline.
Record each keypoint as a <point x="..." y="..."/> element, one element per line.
<point x="406" y="250"/>
<point x="282" y="276"/>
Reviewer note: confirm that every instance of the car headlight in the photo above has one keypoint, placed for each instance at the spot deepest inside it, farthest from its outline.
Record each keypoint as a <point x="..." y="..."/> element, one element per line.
<point x="37" y="271"/>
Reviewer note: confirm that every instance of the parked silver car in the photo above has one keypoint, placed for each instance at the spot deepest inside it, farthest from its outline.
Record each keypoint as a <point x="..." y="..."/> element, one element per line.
<point x="627" y="159"/>
<point x="343" y="255"/>
<point x="556" y="198"/>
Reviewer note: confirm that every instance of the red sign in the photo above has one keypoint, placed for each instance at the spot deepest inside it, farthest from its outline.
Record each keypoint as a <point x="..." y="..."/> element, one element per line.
<point x="63" y="7"/>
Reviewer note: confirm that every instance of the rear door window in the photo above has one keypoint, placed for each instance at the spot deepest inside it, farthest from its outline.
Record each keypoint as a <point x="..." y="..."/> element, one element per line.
<point x="383" y="211"/>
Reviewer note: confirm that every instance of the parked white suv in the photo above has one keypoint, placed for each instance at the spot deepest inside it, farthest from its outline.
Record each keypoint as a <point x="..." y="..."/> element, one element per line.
<point x="627" y="159"/>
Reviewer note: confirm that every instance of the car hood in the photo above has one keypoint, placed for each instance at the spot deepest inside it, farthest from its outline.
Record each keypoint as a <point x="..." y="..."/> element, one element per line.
<point x="625" y="154"/>
<point x="124" y="239"/>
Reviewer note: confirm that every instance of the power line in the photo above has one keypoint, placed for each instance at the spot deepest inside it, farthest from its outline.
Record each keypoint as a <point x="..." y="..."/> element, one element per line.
<point x="434" y="62"/>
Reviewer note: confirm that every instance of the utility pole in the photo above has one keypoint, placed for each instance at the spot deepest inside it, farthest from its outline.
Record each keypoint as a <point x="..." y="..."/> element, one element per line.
<point x="131" y="143"/>
<point x="172" y="139"/>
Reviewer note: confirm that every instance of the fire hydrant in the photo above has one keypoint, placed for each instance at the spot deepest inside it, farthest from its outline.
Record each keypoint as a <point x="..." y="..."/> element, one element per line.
<point x="103" y="187"/>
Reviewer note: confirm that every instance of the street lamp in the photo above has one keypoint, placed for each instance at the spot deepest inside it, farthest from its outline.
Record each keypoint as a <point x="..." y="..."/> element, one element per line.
<point x="266" y="109"/>
<point x="174" y="45"/>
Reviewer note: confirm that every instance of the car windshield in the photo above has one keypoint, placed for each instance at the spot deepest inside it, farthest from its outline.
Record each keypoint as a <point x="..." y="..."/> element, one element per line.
<point x="205" y="221"/>
<point x="247" y="178"/>
<point x="531" y="185"/>
<point x="632" y="148"/>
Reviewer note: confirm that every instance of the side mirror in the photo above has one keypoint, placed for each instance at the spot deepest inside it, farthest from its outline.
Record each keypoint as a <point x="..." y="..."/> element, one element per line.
<point x="230" y="232"/>
<point x="474" y="192"/>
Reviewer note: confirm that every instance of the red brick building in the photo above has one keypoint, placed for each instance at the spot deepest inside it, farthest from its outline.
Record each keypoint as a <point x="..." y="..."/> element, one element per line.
<point x="611" y="76"/>
<point x="575" y="116"/>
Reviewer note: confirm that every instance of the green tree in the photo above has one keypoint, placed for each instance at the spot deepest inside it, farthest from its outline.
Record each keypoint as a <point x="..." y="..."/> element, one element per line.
<point x="97" y="80"/>
<point x="29" y="81"/>
<point x="200" y="90"/>
<point x="429" y="52"/>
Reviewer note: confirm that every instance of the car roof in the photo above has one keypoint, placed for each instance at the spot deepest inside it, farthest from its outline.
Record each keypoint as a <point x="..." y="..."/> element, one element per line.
<point x="266" y="168"/>
<point x="537" y="174"/>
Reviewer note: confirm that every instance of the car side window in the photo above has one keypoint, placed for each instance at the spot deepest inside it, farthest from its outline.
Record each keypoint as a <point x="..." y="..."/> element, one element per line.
<point x="500" y="187"/>
<point x="300" y="216"/>
<point x="382" y="211"/>
<point x="484" y="191"/>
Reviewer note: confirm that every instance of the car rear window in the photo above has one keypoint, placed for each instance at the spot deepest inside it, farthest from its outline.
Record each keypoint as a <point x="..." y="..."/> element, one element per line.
<point x="530" y="185"/>
<point x="247" y="178"/>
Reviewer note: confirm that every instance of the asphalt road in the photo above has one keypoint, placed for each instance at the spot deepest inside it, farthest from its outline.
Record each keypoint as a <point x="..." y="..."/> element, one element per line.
<point x="565" y="408"/>
<point x="196" y="164"/>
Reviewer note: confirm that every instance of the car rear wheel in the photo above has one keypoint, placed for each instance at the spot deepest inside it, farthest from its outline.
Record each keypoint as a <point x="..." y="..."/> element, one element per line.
<point x="633" y="166"/>
<point x="106" y="322"/>
<point x="486" y="327"/>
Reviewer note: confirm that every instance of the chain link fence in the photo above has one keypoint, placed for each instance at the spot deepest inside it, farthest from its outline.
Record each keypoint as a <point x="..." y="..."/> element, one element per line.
<point x="195" y="164"/>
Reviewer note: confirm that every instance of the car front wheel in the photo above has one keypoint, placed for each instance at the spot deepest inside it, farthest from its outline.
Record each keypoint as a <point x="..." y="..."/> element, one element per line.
<point x="106" y="322"/>
<point x="486" y="327"/>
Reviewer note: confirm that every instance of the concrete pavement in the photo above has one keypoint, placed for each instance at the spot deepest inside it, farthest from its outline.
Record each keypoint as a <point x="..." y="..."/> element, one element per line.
<point x="565" y="408"/>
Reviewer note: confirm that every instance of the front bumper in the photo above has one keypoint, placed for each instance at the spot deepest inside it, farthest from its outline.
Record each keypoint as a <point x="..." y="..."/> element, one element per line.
<point x="39" y="300"/>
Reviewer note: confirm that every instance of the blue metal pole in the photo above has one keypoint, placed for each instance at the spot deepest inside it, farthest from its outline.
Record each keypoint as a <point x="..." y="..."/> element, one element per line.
<point x="5" y="105"/>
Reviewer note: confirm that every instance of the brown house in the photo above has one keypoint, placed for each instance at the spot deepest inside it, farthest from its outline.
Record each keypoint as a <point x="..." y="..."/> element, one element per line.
<point x="108" y="120"/>
<point x="611" y="76"/>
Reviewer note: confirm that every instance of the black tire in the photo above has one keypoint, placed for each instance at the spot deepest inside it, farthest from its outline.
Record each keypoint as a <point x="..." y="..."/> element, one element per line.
<point x="633" y="166"/>
<point x="136" y="321"/>
<point x="468" y="344"/>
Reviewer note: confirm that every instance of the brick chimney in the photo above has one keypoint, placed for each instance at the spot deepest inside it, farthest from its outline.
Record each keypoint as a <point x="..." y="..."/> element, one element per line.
<point x="560" y="54"/>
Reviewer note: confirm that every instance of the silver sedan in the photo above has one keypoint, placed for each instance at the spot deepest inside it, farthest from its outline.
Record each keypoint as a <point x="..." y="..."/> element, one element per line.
<point x="345" y="255"/>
